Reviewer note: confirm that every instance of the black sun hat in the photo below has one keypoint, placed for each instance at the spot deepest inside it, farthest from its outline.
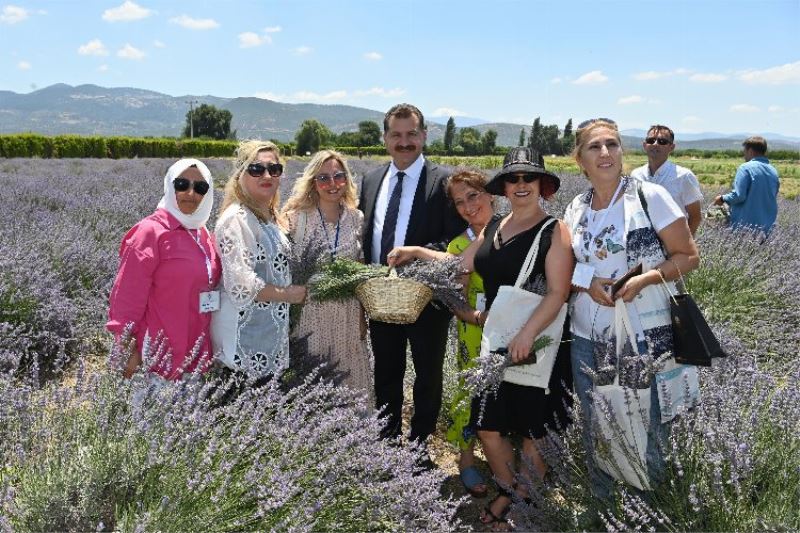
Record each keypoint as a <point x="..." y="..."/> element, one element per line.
<point x="525" y="160"/>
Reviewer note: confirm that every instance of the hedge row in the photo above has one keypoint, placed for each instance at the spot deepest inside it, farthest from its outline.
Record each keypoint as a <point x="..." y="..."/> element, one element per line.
<point x="66" y="146"/>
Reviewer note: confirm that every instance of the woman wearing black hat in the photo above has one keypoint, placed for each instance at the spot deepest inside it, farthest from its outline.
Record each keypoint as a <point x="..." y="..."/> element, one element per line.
<point x="498" y="255"/>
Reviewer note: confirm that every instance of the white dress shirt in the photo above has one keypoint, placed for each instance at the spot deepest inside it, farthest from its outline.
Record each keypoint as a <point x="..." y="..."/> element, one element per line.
<point x="410" y="181"/>
<point x="679" y="181"/>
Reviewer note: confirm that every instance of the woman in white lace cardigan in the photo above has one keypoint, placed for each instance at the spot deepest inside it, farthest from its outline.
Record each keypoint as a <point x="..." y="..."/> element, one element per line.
<point x="251" y="329"/>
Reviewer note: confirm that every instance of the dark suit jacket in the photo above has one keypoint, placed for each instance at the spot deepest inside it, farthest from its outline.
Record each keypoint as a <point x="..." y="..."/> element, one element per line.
<point x="434" y="221"/>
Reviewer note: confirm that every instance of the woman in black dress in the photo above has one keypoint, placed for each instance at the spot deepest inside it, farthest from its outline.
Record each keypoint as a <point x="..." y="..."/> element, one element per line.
<point x="497" y="255"/>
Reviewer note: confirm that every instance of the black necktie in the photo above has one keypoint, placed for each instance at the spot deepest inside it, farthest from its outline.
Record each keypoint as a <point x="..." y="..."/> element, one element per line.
<point x="390" y="220"/>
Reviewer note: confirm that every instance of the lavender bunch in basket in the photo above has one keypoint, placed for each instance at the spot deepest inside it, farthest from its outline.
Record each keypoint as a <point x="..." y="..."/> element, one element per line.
<point x="442" y="277"/>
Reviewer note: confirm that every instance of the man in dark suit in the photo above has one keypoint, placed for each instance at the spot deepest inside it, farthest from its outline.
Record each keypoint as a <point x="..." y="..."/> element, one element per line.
<point x="405" y="203"/>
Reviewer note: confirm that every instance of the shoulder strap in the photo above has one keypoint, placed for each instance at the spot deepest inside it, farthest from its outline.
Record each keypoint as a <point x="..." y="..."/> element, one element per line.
<point x="650" y="220"/>
<point x="530" y="259"/>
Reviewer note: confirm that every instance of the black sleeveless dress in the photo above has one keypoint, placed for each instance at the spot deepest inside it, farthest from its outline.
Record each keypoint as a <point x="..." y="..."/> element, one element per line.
<point x="518" y="409"/>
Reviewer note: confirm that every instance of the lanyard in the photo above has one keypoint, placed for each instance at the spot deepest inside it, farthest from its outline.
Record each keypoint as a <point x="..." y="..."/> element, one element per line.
<point x="593" y="225"/>
<point x="335" y="245"/>
<point x="196" y="239"/>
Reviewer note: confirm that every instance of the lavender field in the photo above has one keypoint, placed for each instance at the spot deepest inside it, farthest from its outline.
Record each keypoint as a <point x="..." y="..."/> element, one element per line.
<point x="81" y="449"/>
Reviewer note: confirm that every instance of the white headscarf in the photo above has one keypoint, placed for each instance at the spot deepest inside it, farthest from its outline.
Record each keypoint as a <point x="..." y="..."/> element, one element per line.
<point x="200" y="216"/>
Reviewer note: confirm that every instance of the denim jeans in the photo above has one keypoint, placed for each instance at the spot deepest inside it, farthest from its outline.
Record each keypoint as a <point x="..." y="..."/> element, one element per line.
<point x="582" y="357"/>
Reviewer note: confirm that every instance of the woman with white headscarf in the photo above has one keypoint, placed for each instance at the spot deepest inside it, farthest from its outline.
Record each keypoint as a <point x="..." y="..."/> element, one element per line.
<point x="169" y="267"/>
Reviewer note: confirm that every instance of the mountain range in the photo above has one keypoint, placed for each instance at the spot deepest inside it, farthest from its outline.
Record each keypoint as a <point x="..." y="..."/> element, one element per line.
<point x="94" y="110"/>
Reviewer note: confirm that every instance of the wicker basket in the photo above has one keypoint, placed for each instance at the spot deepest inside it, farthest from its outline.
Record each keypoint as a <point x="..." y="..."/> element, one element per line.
<point x="393" y="299"/>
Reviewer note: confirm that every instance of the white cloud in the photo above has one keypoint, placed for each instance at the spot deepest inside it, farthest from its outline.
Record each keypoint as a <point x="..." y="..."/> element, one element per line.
<point x="784" y="74"/>
<point x="249" y="39"/>
<point x="304" y="96"/>
<point x="302" y="50"/>
<point x="691" y="119"/>
<point x="651" y="75"/>
<point x="271" y="96"/>
<point x="632" y="99"/>
<point x="708" y="77"/>
<point x="126" y="12"/>
<point x="24" y="65"/>
<point x="448" y="112"/>
<point x="159" y="44"/>
<point x="129" y="52"/>
<point x="594" y="77"/>
<point x="13" y="14"/>
<point x="380" y="91"/>
<point x="775" y="109"/>
<point x="373" y="56"/>
<point x="327" y="97"/>
<point x="744" y="108"/>
<point x="191" y="23"/>
<point x="556" y="80"/>
<point x="95" y="47"/>
<point x="272" y="29"/>
<point x="102" y="68"/>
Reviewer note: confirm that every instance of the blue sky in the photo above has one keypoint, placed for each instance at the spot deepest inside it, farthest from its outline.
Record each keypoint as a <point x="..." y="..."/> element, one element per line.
<point x="727" y="66"/>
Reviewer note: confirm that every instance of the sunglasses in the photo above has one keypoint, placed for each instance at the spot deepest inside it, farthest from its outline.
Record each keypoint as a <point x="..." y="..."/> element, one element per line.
<point x="514" y="178"/>
<point x="326" y="180"/>
<point x="183" y="184"/>
<point x="258" y="169"/>
<point x="593" y="120"/>
<point x="661" y="141"/>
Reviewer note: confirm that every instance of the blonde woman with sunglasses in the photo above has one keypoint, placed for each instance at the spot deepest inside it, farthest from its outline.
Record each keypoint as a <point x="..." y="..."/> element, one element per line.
<point x="251" y="329"/>
<point x="323" y="220"/>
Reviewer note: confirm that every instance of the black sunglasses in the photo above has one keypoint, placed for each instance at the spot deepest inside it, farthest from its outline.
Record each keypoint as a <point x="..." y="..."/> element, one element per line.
<point x="514" y="178"/>
<point x="183" y="184"/>
<point x="257" y="169"/>
<point x="593" y="120"/>
<point x="661" y="141"/>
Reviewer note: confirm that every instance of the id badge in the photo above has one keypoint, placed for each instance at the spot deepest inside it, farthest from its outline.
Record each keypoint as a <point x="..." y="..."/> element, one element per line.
<point x="582" y="277"/>
<point x="480" y="302"/>
<point x="209" y="301"/>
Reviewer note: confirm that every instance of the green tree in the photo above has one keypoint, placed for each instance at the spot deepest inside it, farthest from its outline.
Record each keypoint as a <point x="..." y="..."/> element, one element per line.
<point x="369" y="133"/>
<point x="568" y="139"/>
<point x="346" y="138"/>
<point x="311" y="135"/>
<point x="489" y="141"/>
<point x="208" y="121"/>
<point x="536" y="140"/>
<point x="470" y="140"/>
<point x="521" y="137"/>
<point x="449" y="135"/>
<point x="550" y="141"/>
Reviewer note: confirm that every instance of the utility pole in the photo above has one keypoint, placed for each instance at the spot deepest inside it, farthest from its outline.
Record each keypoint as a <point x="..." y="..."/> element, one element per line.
<point x="191" y="116"/>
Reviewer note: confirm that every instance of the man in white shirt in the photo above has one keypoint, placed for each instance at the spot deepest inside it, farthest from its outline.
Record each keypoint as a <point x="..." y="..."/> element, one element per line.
<point x="679" y="181"/>
<point x="405" y="203"/>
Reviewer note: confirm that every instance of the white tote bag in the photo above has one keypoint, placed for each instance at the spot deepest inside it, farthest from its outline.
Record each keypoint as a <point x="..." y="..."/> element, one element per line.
<point x="511" y="309"/>
<point x="678" y="389"/>
<point x="622" y="415"/>
<point x="678" y="385"/>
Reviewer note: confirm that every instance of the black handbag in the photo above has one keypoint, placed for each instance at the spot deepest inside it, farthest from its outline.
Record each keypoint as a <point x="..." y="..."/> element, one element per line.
<point x="693" y="342"/>
<point x="692" y="339"/>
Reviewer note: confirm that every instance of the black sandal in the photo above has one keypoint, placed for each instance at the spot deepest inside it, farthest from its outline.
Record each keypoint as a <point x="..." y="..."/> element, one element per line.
<point x="495" y="522"/>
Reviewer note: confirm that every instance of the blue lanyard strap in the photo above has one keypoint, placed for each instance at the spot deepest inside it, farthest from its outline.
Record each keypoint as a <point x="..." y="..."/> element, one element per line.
<point x="335" y="247"/>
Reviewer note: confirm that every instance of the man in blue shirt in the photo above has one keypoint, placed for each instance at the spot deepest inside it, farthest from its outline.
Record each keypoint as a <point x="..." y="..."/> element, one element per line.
<point x="754" y="198"/>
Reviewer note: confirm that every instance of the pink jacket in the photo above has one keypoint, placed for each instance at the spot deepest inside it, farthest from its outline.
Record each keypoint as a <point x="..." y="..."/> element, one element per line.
<point x="161" y="274"/>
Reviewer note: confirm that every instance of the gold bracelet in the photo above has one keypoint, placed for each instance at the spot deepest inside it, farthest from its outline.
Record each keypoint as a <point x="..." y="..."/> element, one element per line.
<point x="661" y="273"/>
